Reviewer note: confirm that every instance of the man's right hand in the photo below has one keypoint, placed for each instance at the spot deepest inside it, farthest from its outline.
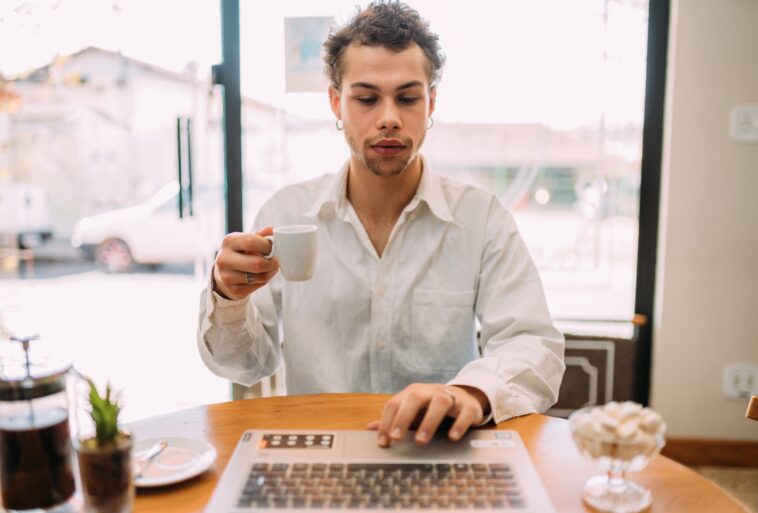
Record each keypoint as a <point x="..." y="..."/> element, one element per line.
<point x="240" y="261"/>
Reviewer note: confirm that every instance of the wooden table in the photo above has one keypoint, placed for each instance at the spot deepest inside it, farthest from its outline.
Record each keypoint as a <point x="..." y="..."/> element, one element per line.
<point x="675" y="488"/>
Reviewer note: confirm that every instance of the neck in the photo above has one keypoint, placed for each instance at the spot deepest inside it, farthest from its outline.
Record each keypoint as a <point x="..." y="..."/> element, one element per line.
<point x="381" y="198"/>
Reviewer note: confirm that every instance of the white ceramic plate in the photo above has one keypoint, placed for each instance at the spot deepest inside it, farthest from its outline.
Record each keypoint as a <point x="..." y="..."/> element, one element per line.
<point x="182" y="459"/>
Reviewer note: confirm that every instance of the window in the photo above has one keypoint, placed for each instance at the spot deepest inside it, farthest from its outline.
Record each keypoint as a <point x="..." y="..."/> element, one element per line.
<point x="91" y="113"/>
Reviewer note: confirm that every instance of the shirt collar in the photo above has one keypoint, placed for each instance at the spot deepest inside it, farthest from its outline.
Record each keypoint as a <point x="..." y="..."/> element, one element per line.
<point x="333" y="194"/>
<point x="429" y="191"/>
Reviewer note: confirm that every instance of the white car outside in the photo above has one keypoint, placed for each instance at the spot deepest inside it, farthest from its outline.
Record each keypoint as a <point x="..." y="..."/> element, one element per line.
<point x="153" y="233"/>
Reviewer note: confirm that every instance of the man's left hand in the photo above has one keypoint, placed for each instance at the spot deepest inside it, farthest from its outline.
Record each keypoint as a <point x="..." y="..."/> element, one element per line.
<point x="435" y="402"/>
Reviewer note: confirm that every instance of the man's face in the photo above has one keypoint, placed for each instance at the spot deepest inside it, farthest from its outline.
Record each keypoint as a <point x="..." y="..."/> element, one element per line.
<point x="384" y="103"/>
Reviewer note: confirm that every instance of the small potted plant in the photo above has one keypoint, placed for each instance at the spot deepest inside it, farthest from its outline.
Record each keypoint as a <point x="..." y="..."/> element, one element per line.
<point x="105" y="463"/>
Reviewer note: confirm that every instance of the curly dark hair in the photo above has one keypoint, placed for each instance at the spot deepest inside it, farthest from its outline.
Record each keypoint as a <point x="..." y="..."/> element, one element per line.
<point x="387" y="23"/>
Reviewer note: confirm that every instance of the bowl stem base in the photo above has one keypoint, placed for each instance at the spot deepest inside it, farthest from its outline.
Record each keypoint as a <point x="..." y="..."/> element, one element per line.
<point x="613" y="493"/>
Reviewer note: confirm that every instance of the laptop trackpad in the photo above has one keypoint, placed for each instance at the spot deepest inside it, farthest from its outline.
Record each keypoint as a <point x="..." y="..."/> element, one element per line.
<point x="363" y="446"/>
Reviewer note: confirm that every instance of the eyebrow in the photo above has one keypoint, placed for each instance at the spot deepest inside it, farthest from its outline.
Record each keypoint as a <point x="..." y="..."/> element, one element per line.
<point x="407" y="85"/>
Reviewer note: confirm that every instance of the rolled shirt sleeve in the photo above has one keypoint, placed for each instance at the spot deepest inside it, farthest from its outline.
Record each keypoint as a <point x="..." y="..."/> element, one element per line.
<point x="239" y="339"/>
<point x="522" y="362"/>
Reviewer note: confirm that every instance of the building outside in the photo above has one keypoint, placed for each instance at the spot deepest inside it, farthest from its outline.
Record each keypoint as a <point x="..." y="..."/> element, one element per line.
<point x="97" y="129"/>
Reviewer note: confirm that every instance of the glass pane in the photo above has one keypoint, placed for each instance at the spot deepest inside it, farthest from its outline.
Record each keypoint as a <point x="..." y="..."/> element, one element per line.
<point x="540" y="102"/>
<point x="93" y="125"/>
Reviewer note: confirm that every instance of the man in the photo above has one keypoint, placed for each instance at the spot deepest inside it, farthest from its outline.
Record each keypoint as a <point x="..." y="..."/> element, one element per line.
<point x="407" y="260"/>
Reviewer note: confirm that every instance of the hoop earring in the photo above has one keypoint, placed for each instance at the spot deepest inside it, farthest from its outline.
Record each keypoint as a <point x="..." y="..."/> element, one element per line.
<point x="339" y="124"/>
<point x="430" y="124"/>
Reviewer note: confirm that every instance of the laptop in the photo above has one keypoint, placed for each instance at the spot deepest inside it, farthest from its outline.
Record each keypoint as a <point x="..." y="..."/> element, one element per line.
<point x="326" y="470"/>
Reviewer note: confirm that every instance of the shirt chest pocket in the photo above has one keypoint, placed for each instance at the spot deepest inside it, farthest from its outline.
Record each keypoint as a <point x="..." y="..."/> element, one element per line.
<point x="442" y="329"/>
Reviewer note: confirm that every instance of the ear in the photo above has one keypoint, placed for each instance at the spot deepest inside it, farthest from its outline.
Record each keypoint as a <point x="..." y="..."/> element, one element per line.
<point x="432" y="99"/>
<point x="334" y="102"/>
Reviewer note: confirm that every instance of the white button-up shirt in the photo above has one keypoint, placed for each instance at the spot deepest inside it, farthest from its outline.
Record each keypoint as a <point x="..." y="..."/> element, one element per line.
<point x="366" y="323"/>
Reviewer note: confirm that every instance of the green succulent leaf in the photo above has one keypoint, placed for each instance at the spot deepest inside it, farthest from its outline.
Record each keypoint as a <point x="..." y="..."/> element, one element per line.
<point x="104" y="412"/>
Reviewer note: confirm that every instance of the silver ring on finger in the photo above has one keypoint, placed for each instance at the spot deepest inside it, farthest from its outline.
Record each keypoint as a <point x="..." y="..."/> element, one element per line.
<point x="250" y="278"/>
<point x="451" y="396"/>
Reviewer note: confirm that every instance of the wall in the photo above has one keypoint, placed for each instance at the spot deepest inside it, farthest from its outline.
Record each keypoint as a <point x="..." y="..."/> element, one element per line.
<point x="707" y="298"/>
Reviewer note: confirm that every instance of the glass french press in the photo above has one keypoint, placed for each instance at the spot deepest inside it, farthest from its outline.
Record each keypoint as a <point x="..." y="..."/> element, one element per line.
<point x="35" y="444"/>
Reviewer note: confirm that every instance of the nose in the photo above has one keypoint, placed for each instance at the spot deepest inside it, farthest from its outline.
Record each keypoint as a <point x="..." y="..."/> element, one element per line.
<point x="389" y="118"/>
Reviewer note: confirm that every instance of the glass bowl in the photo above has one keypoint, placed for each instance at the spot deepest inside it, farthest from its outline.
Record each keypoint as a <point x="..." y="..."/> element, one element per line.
<point x="615" y="454"/>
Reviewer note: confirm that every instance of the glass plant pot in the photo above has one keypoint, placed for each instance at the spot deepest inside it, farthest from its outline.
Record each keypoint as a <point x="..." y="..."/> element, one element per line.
<point x="106" y="474"/>
<point x="105" y="468"/>
<point x="615" y="451"/>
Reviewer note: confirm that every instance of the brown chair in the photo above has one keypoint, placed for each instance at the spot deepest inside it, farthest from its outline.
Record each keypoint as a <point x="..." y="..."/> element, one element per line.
<point x="752" y="408"/>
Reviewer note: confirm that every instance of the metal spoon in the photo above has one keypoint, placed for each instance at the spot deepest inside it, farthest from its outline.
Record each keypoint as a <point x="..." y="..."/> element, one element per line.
<point x="147" y="458"/>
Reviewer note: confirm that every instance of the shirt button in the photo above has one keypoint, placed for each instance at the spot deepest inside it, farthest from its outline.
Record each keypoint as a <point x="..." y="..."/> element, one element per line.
<point x="381" y="290"/>
<point x="380" y="344"/>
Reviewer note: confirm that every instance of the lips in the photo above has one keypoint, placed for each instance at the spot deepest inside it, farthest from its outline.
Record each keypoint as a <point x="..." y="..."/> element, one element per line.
<point x="388" y="146"/>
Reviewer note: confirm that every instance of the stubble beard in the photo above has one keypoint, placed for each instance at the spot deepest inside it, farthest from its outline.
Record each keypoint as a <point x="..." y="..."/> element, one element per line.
<point x="384" y="167"/>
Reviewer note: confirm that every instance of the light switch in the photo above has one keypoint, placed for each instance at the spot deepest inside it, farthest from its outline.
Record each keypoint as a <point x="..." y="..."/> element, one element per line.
<point x="743" y="125"/>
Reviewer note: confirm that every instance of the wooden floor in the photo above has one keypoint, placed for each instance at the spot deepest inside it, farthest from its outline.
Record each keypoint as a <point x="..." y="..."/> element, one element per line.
<point x="740" y="482"/>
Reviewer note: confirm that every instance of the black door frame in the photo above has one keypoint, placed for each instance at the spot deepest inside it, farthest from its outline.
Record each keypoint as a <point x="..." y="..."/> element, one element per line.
<point x="228" y="75"/>
<point x="650" y="189"/>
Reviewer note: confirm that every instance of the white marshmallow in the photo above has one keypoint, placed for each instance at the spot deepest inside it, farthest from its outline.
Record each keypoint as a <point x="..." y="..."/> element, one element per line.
<point x="628" y="428"/>
<point x="651" y="421"/>
<point x="629" y="409"/>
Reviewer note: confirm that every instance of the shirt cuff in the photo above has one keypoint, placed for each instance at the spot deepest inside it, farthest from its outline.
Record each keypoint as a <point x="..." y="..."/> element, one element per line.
<point x="225" y="310"/>
<point x="478" y="385"/>
<point x="504" y="402"/>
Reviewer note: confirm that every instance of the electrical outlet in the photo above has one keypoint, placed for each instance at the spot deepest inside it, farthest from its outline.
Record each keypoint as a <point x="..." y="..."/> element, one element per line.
<point x="743" y="123"/>
<point x="740" y="380"/>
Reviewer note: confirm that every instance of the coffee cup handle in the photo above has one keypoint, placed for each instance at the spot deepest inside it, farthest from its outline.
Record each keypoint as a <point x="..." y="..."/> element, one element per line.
<point x="270" y="253"/>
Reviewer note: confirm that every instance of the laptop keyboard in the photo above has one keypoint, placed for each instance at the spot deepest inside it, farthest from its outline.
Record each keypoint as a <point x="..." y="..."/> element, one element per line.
<point x="381" y="486"/>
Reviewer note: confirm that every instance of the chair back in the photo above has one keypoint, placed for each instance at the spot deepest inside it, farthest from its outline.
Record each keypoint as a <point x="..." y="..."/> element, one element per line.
<point x="752" y="408"/>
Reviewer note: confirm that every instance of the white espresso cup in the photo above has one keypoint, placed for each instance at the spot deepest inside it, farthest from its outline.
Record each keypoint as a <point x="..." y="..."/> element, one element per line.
<point x="296" y="248"/>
